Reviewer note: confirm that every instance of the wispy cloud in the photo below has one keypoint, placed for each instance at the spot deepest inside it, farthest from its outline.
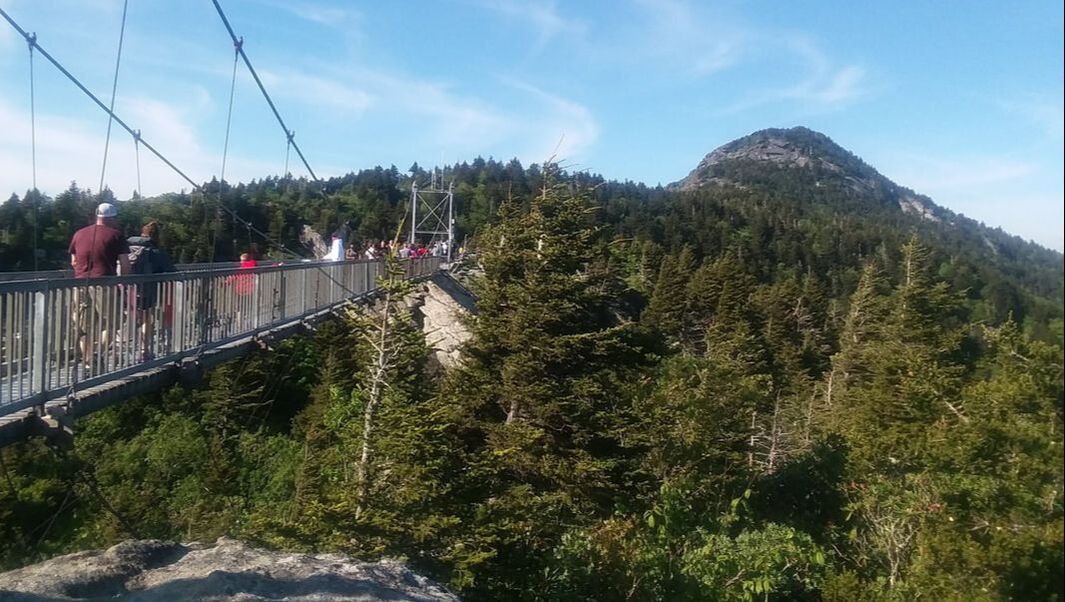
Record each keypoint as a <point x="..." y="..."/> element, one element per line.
<point x="702" y="40"/>
<point x="691" y="38"/>
<point x="822" y="84"/>
<point x="825" y="83"/>
<point x="957" y="175"/>
<point x="71" y="149"/>
<point x="330" y="15"/>
<point x="322" y="91"/>
<point x="565" y="129"/>
<point x="1039" y="110"/>
<point x="541" y="16"/>
<point x="8" y="36"/>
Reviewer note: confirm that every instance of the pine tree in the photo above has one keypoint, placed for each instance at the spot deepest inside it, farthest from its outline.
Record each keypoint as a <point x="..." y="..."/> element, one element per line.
<point x="545" y="372"/>
<point x="668" y="308"/>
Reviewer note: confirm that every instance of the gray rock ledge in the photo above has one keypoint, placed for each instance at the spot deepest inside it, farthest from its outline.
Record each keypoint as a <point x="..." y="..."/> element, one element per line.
<point x="228" y="570"/>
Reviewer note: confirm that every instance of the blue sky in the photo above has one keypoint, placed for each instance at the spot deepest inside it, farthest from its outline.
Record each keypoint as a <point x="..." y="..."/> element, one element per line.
<point x="958" y="100"/>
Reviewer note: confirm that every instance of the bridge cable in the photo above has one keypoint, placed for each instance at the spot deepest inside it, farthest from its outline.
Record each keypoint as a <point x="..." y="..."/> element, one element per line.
<point x="288" y="152"/>
<point x="137" y="156"/>
<point x="114" y="89"/>
<point x="31" y="41"/>
<point x="229" y="117"/>
<point x="55" y="515"/>
<point x="262" y="88"/>
<point x="215" y="227"/>
<point x="225" y="145"/>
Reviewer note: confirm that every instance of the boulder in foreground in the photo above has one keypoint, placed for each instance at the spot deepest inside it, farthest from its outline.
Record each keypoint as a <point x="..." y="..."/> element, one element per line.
<point x="229" y="570"/>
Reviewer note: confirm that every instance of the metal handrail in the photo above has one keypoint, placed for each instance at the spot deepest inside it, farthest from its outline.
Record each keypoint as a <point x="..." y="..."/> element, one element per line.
<point x="181" y="267"/>
<point x="63" y="335"/>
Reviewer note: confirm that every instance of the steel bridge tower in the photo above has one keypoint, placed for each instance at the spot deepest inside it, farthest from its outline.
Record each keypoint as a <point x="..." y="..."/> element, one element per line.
<point x="432" y="217"/>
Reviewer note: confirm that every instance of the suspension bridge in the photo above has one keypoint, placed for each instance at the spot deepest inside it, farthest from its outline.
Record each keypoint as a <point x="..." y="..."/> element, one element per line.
<point x="59" y="361"/>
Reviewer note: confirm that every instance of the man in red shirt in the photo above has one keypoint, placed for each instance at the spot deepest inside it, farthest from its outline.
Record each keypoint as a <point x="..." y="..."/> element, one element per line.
<point x="95" y="252"/>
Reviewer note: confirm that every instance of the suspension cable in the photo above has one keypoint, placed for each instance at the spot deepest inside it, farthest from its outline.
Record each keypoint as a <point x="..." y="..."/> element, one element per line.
<point x="114" y="89"/>
<point x="288" y="151"/>
<point x="31" y="41"/>
<point x="229" y="117"/>
<point x="137" y="157"/>
<point x="262" y="88"/>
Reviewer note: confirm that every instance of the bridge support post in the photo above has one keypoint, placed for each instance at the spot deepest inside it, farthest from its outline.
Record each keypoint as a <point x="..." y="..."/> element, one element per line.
<point x="257" y="304"/>
<point x="180" y="315"/>
<point x="41" y="361"/>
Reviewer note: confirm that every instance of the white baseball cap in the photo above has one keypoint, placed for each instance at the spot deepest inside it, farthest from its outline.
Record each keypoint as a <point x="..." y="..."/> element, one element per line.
<point x="106" y="210"/>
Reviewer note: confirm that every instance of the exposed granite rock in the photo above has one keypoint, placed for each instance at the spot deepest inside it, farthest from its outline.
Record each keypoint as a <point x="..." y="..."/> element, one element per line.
<point x="442" y="307"/>
<point x="918" y="206"/>
<point x="150" y="571"/>
<point x="767" y="146"/>
<point x="824" y="161"/>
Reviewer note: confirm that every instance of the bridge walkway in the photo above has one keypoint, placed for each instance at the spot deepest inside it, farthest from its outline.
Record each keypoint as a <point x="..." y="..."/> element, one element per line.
<point x="140" y="331"/>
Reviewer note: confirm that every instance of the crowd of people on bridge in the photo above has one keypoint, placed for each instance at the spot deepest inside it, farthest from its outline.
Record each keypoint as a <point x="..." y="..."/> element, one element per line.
<point x="379" y="249"/>
<point x="101" y="250"/>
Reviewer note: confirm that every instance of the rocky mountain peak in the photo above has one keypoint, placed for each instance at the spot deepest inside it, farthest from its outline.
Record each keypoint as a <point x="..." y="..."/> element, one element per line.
<point x="824" y="164"/>
<point x="796" y="147"/>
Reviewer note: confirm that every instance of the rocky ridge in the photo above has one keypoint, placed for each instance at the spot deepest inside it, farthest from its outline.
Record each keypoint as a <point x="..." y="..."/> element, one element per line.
<point x="802" y="148"/>
<point x="228" y="570"/>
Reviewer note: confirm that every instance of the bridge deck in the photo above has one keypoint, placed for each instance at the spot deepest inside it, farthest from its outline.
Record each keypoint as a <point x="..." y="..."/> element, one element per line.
<point x="66" y="345"/>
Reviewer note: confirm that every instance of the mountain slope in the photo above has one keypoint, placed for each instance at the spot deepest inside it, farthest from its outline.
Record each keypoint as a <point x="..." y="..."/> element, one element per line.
<point x="816" y="155"/>
<point x="805" y="171"/>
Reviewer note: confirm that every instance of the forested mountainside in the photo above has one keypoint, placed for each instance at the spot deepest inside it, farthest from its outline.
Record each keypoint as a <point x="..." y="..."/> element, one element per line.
<point x="774" y="380"/>
<point x="779" y="199"/>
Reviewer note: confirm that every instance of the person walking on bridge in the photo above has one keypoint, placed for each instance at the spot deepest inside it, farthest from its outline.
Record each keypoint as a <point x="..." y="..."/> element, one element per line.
<point x="97" y="251"/>
<point x="145" y="257"/>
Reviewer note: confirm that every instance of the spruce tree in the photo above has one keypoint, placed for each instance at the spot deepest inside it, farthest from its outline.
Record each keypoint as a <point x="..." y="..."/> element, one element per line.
<point x="546" y="370"/>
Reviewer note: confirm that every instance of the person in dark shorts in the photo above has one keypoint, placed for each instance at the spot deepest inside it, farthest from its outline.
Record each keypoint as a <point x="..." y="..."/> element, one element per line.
<point x="97" y="251"/>
<point x="145" y="257"/>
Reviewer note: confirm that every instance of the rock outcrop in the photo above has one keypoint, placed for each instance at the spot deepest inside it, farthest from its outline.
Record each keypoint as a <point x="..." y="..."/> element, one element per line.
<point x="151" y="571"/>
<point x="745" y="162"/>
<point x="442" y="307"/>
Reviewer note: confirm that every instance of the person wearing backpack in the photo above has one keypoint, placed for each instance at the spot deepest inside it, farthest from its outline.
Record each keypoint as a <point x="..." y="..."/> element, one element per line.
<point x="145" y="257"/>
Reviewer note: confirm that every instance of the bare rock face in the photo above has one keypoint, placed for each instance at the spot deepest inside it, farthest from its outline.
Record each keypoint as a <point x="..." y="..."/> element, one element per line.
<point x="445" y="330"/>
<point x="800" y="149"/>
<point x="150" y="571"/>
<point x="442" y="307"/>
<point x="795" y="148"/>
<point x="918" y="206"/>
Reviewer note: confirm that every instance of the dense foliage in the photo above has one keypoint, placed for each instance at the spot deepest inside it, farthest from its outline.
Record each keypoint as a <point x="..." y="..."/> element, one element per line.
<point x="725" y="394"/>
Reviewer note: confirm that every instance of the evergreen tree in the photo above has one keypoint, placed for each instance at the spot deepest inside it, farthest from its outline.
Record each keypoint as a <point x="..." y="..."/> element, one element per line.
<point x="546" y="370"/>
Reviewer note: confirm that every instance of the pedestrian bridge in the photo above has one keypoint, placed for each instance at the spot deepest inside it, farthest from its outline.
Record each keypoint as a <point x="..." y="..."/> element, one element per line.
<point x="71" y="346"/>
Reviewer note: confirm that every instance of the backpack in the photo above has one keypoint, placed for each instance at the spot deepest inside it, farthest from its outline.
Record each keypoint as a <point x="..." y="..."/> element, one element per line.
<point x="140" y="259"/>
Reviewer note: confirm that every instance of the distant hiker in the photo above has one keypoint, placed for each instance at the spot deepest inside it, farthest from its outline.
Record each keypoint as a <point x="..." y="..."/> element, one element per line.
<point x="97" y="251"/>
<point x="336" y="248"/>
<point x="245" y="283"/>
<point x="351" y="254"/>
<point x="145" y="257"/>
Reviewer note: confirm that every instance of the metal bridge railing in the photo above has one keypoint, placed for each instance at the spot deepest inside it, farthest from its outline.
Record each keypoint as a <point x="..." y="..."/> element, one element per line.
<point x="64" y="335"/>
